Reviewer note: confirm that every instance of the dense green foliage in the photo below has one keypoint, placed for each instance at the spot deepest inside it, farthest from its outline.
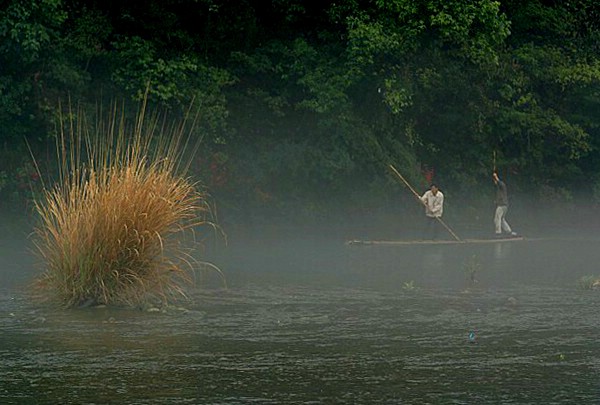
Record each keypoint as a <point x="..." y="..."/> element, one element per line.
<point x="305" y="103"/>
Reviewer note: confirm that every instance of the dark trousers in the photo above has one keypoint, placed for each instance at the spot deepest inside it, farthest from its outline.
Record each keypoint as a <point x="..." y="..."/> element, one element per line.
<point x="432" y="228"/>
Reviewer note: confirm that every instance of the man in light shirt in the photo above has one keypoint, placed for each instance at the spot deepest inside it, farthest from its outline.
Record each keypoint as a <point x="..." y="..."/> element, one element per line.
<point x="501" y="209"/>
<point x="433" y="199"/>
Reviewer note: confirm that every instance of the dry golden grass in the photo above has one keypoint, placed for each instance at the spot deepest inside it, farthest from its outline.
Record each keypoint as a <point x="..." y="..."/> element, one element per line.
<point x="112" y="227"/>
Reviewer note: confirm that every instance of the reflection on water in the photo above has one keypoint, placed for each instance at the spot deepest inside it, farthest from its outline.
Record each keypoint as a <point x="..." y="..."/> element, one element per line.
<point x="433" y="260"/>
<point x="502" y="250"/>
<point x="334" y="325"/>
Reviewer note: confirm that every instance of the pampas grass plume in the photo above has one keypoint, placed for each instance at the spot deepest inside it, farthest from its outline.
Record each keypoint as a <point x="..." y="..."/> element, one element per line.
<point x="113" y="227"/>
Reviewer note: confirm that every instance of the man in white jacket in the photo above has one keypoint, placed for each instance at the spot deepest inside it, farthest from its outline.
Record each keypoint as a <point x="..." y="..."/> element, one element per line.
<point x="433" y="199"/>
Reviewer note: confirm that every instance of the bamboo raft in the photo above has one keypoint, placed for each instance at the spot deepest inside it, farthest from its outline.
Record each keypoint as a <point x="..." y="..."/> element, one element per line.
<point x="433" y="242"/>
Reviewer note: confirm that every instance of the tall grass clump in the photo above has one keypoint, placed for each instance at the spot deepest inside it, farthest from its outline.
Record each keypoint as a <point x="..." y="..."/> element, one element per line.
<point x="115" y="226"/>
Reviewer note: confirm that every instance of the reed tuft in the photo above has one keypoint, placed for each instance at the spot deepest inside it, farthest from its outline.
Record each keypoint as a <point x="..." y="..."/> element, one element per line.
<point x="115" y="225"/>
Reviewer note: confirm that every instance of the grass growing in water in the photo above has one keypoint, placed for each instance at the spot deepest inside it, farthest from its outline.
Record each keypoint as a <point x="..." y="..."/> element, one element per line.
<point x="113" y="227"/>
<point x="472" y="268"/>
<point x="588" y="283"/>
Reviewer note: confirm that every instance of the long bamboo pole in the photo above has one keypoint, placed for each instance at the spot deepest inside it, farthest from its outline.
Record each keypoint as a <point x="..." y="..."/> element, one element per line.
<point x="407" y="184"/>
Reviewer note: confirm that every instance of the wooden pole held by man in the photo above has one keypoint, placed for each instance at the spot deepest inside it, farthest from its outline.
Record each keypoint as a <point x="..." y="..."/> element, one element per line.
<point x="407" y="184"/>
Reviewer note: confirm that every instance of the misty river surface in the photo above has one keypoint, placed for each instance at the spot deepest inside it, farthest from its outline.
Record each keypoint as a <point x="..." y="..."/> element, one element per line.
<point x="310" y="321"/>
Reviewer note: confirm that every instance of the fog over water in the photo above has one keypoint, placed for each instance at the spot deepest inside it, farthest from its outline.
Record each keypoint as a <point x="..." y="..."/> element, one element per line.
<point x="307" y="318"/>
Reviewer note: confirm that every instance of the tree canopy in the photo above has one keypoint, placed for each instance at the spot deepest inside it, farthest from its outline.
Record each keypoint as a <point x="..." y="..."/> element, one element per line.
<point x="303" y="105"/>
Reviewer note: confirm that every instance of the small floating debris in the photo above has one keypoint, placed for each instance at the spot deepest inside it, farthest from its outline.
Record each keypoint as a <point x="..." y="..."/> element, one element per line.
<point x="472" y="336"/>
<point x="409" y="286"/>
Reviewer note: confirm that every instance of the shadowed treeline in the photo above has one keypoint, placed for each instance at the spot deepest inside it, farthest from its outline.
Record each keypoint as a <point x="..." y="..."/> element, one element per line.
<point x="304" y="105"/>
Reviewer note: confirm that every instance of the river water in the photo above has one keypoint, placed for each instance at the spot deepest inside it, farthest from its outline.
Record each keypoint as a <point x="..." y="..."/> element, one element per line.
<point x="312" y="321"/>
